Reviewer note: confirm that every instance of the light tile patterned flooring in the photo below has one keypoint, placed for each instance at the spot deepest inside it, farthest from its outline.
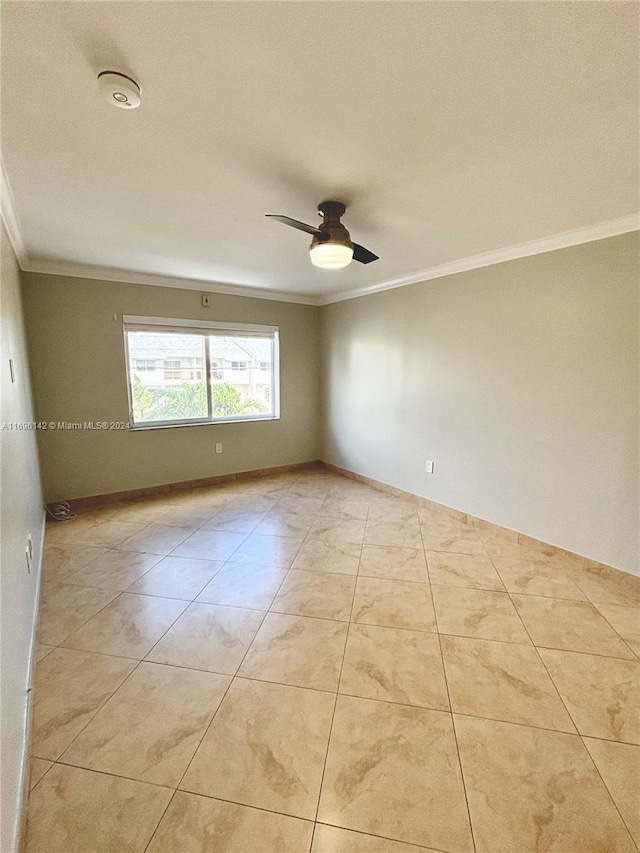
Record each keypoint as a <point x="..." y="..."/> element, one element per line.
<point x="304" y="663"/>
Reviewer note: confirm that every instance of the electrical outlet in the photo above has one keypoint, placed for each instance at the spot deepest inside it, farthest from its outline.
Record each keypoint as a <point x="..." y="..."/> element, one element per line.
<point x="206" y="300"/>
<point x="429" y="466"/>
<point x="218" y="448"/>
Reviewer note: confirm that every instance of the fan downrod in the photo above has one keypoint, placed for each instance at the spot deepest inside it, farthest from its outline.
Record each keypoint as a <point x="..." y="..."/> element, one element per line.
<point x="331" y="211"/>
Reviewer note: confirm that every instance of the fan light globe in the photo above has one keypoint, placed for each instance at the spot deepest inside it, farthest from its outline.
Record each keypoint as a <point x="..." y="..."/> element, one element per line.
<point x="331" y="256"/>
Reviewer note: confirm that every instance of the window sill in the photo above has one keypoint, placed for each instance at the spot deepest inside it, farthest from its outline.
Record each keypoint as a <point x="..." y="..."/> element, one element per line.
<point x="161" y="425"/>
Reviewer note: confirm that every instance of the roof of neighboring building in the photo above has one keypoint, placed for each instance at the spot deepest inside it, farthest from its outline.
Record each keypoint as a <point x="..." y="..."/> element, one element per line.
<point x="149" y="345"/>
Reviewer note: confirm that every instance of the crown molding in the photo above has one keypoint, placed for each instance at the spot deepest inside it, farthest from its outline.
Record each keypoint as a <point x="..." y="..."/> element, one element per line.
<point x="10" y="218"/>
<point x="563" y="240"/>
<point x="74" y="270"/>
<point x="602" y="230"/>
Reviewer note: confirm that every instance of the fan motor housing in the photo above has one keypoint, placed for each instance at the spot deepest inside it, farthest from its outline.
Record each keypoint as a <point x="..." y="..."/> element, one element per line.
<point x="331" y="211"/>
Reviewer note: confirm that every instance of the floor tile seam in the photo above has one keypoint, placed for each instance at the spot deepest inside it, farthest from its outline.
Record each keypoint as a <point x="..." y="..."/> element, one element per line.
<point x="606" y="787"/>
<point x="189" y="602"/>
<point x="395" y="702"/>
<point x="53" y="544"/>
<point x="604" y="601"/>
<point x="160" y="819"/>
<point x="161" y="557"/>
<point x="198" y="600"/>
<point x="83" y="586"/>
<point x="33" y="787"/>
<point x="219" y="799"/>
<point x="202" y="559"/>
<point x="570" y="580"/>
<point x="280" y="535"/>
<point x="139" y="595"/>
<point x="142" y="525"/>
<point x="632" y="657"/>
<point x="215" y="713"/>
<point x="633" y="607"/>
<point x="136" y="667"/>
<point x="113" y="775"/>
<point x="575" y="734"/>
<point x="127" y="589"/>
<point x="585" y="591"/>
<point x="61" y="644"/>
<point x="335" y="704"/>
<point x="102" y="654"/>
<point x="288" y="567"/>
<point x="534" y="726"/>
<point x="172" y="598"/>
<point x="111" y="546"/>
<point x="381" y="837"/>
<point x="229" y="802"/>
<point x="308" y="615"/>
<point x="453" y="727"/>
<point x="615" y="630"/>
<point x="323" y="571"/>
<point x="533" y="644"/>
<point x="94" y="715"/>
<point x="266" y="613"/>
<point x="229" y="530"/>
<point x="460" y="586"/>
<point x="387" y="578"/>
<point x="541" y="659"/>
<point x="568" y="734"/>
<point x="192" y="529"/>
<point x="520" y="644"/>
<point x="595" y="609"/>
<point x="331" y="542"/>
<point x="196" y="669"/>
<point x="291" y="568"/>
<point x="395" y="627"/>
<point x="173" y="554"/>
<point x="546" y="597"/>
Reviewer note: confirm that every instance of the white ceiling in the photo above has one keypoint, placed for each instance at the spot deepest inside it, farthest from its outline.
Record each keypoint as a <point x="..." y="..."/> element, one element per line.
<point x="449" y="129"/>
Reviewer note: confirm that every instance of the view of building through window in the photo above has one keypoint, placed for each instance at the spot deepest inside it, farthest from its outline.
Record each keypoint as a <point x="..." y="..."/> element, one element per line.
<point x="182" y="376"/>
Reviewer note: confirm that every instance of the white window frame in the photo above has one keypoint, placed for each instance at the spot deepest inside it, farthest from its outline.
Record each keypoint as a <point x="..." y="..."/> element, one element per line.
<point x="135" y="323"/>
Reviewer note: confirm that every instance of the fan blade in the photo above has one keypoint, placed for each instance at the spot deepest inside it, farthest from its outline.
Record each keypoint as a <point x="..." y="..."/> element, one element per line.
<point x="301" y="226"/>
<point x="363" y="255"/>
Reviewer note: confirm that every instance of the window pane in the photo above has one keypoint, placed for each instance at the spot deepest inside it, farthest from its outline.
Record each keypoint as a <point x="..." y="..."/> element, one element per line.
<point x="241" y="375"/>
<point x="167" y="376"/>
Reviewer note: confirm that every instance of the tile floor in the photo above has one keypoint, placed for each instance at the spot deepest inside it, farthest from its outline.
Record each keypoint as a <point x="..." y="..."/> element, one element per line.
<point x="303" y="663"/>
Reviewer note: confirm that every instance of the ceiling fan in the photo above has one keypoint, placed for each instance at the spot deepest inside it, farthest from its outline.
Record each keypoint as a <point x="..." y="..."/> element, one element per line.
<point x="331" y="247"/>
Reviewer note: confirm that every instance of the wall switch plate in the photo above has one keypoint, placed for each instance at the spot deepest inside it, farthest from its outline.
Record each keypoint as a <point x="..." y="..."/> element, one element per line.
<point x="429" y="466"/>
<point x="206" y="300"/>
<point x="218" y="448"/>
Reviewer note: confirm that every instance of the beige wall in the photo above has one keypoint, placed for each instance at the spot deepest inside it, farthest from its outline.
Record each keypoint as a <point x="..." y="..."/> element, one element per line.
<point x="21" y="515"/>
<point x="519" y="380"/>
<point x="77" y="356"/>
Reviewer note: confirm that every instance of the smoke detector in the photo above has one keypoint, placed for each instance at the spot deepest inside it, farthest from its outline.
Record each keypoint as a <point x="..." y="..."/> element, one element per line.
<point x="120" y="90"/>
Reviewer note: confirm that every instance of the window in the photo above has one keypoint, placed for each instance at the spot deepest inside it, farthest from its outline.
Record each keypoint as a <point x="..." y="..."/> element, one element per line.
<point x="205" y="375"/>
<point x="172" y="368"/>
